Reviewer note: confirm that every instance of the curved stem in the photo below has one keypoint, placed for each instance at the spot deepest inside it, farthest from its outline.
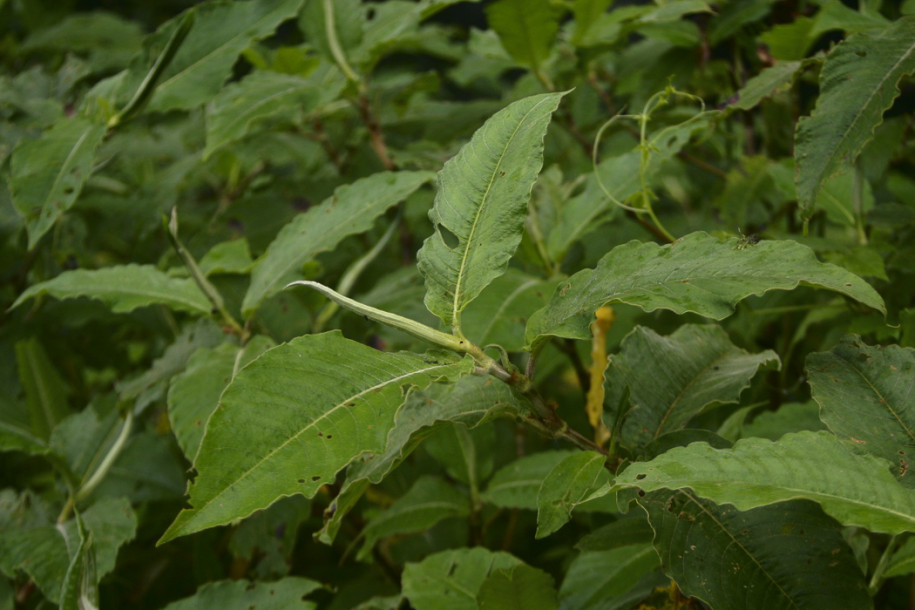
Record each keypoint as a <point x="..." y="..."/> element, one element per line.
<point x="330" y="29"/>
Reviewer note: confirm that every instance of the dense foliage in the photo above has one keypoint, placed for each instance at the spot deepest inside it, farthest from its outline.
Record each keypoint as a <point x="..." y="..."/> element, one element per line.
<point x="442" y="304"/>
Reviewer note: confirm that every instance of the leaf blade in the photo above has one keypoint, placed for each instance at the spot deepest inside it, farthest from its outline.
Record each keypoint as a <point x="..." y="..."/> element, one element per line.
<point x="352" y="396"/>
<point x="481" y="203"/>
<point x="350" y="210"/>
<point x="697" y="273"/>
<point x="854" y="489"/>
<point x="858" y="83"/>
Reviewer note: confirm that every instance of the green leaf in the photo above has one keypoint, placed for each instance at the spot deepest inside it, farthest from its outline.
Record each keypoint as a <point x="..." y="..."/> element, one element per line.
<point x="516" y="485"/>
<point x="570" y="483"/>
<point x="80" y="573"/>
<point x="526" y="28"/>
<point x="345" y="23"/>
<point x="450" y="580"/>
<point x="789" y="555"/>
<point x="244" y="595"/>
<point x="124" y="288"/>
<point x="45" y="390"/>
<point x="771" y="80"/>
<point x="697" y="273"/>
<point x="500" y="313"/>
<point x="902" y="561"/>
<point x="521" y="587"/>
<point x="854" y="489"/>
<point x="233" y="256"/>
<point x="263" y="96"/>
<point x="673" y="379"/>
<point x="221" y="31"/>
<point x="481" y="204"/>
<point x="614" y="579"/>
<point x="44" y="552"/>
<point x="194" y="393"/>
<point x="429" y="500"/>
<point x="472" y="400"/>
<point x="858" y="83"/>
<point x="295" y="417"/>
<point x="48" y="174"/>
<point x="350" y="210"/>
<point x="865" y="395"/>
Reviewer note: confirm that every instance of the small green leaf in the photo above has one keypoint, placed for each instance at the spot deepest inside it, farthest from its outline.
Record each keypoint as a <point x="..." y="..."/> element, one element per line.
<point x="44" y="552"/>
<point x="221" y="31"/>
<point x="526" y="28"/>
<point x="570" y="483"/>
<point x="430" y="500"/>
<point x="350" y="210"/>
<point x="296" y="416"/>
<point x="124" y="288"/>
<point x="865" y="396"/>
<point x="481" y="204"/>
<point x="262" y="96"/>
<point x="854" y="489"/>
<point x="520" y="587"/>
<point x="858" y="83"/>
<point x="769" y="81"/>
<point x="701" y="368"/>
<point x="45" y="389"/>
<point x="697" y="273"/>
<point x="48" y="174"/>
<point x="789" y="555"/>
<point x="516" y="485"/>
<point x="613" y="579"/>
<point x="902" y="561"/>
<point x="450" y="580"/>
<point x="286" y="593"/>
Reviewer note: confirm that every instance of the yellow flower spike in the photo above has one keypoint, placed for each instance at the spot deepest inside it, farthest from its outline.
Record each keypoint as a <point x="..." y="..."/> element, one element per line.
<point x="595" y="406"/>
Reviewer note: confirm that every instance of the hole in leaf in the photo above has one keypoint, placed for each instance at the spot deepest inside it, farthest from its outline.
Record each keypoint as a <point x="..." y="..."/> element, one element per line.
<point x="316" y="478"/>
<point x="640" y="476"/>
<point x="301" y="480"/>
<point x="451" y="240"/>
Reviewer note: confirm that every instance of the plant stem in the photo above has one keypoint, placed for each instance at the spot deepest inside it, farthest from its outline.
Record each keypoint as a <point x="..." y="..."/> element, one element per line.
<point x="877" y="578"/>
<point x="336" y="50"/>
<point x="376" y="138"/>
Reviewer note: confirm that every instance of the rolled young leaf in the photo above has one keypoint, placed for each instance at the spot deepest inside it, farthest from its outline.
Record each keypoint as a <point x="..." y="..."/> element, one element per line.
<point x="697" y="273"/>
<point x="295" y="417"/>
<point x="481" y="204"/>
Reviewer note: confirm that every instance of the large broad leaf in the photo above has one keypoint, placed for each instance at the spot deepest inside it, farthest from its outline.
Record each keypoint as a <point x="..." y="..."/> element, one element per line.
<point x="194" y="393"/>
<point x="789" y="555"/>
<point x="288" y="592"/>
<point x="471" y="400"/>
<point x="697" y="273"/>
<point x="867" y="395"/>
<point x="570" y="483"/>
<point x="45" y="390"/>
<point x="481" y="204"/>
<point x="47" y="174"/>
<point x="430" y="500"/>
<point x="350" y="210"/>
<point x="613" y="579"/>
<point x="769" y="81"/>
<point x="672" y="379"/>
<point x="295" y="417"/>
<point x="525" y="27"/>
<point x="221" y="31"/>
<point x="450" y="580"/>
<point x="262" y="96"/>
<point x="858" y="83"/>
<point x="855" y="489"/>
<point x="124" y="288"/>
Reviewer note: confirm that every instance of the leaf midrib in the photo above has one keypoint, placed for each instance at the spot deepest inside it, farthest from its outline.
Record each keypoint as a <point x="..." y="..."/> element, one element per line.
<point x="458" y="285"/>
<point x="340" y="405"/>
